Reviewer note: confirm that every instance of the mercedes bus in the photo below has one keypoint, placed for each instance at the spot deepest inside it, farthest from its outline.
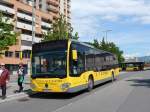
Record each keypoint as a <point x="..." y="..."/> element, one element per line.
<point x="69" y="66"/>
<point x="132" y="66"/>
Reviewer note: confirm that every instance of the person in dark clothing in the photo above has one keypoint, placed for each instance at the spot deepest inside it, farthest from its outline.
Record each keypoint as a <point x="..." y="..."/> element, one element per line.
<point x="4" y="78"/>
<point x="21" y="75"/>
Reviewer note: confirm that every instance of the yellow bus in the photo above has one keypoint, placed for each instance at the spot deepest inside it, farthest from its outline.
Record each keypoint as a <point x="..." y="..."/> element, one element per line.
<point x="132" y="66"/>
<point x="69" y="66"/>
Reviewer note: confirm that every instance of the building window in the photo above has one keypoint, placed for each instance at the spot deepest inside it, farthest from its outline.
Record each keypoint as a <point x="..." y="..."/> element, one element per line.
<point x="17" y="54"/>
<point x="8" y="54"/>
<point x="26" y="54"/>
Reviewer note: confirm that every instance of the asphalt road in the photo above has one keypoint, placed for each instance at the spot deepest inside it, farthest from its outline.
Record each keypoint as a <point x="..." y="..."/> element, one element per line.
<point x="135" y="98"/>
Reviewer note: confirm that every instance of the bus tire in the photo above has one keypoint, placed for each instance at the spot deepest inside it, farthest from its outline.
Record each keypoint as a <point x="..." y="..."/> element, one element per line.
<point x="113" y="77"/>
<point x="90" y="83"/>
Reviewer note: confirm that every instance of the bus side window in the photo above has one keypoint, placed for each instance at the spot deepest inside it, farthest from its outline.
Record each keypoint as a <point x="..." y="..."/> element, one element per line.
<point x="78" y="66"/>
<point x="74" y="68"/>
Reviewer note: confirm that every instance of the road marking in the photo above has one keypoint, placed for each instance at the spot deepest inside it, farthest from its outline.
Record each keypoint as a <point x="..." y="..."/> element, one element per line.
<point x="14" y="97"/>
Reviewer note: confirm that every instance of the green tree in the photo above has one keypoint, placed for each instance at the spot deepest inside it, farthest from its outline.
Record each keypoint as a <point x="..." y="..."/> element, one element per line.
<point x="96" y="44"/>
<point x="60" y="30"/>
<point x="76" y="36"/>
<point x="110" y="47"/>
<point x="7" y="34"/>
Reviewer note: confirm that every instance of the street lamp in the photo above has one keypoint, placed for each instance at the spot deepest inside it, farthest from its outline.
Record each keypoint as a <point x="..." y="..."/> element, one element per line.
<point x="33" y="21"/>
<point x="106" y="31"/>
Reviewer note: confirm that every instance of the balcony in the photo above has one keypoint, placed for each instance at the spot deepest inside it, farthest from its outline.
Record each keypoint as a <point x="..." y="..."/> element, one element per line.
<point x="68" y="11"/>
<point x="45" y="24"/>
<point x="29" y="38"/>
<point x="68" y="6"/>
<point x="24" y="26"/>
<point x="53" y="2"/>
<point x="69" y="20"/>
<point x="26" y="48"/>
<point x="7" y="9"/>
<point x="53" y="8"/>
<point x="24" y="16"/>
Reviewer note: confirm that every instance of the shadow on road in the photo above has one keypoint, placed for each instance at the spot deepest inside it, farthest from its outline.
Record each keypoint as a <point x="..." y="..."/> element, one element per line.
<point x="55" y="95"/>
<point x="62" y="96"/>
<point x="140" y="82"/>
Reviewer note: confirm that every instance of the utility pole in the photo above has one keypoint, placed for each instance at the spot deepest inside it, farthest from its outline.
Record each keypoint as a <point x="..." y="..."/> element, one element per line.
<point x="33" y="21"/>
<point x="33" y="32"/>
<point x="106" y="33"/>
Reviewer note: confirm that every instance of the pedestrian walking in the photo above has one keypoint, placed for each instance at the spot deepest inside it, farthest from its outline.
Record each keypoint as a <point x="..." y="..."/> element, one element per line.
<point x="4" y="78"/>
<point x="21" y="74"/>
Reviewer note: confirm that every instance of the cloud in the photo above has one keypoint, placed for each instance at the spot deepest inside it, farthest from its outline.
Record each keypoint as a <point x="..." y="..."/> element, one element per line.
<point x="115" y="8"/>
<point x="110" y="18"/>
<point x="126" y="39"/>
<point x="86" y="26"/>
<point x="143" y="19"/>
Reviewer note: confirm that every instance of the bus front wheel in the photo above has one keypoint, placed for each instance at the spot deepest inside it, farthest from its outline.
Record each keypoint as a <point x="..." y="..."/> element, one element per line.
<point x="90" y="83"/>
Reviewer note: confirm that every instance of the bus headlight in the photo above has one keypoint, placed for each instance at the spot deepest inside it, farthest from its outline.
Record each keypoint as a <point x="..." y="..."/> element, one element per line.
<point x="65" y="86"/>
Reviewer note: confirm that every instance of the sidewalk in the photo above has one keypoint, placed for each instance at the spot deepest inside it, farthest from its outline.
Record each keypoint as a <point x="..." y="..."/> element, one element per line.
<point x="12" y="87"/>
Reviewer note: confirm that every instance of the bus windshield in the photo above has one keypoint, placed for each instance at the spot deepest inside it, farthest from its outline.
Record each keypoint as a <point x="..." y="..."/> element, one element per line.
<point x="49" y="64"/>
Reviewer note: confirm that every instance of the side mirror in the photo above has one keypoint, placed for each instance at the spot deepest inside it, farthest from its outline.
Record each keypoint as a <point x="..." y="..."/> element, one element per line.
<point x="74" y="55"/>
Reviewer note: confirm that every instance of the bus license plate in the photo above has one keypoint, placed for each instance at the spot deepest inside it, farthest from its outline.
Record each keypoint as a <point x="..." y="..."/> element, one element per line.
<point x="46" y="90"/>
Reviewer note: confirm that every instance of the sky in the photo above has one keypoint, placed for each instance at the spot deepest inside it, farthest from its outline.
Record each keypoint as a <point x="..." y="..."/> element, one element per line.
<point x="128" y="20"/>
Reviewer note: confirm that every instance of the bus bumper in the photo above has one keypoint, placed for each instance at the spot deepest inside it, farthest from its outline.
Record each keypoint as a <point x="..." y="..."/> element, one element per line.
<point x="76" y="89"/>
<point x="69" y="90"/>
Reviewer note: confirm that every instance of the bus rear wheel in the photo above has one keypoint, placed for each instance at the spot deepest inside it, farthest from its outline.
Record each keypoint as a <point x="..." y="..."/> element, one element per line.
<point x="90" y="84"/>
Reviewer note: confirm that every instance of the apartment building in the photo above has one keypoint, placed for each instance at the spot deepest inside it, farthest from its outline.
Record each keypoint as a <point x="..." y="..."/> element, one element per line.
<point x="19" y="13"/>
